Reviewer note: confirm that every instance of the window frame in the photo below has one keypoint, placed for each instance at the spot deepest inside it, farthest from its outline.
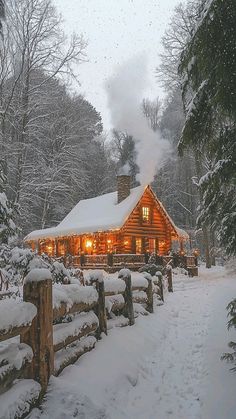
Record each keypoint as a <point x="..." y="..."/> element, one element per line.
<point x="148" y="218"/>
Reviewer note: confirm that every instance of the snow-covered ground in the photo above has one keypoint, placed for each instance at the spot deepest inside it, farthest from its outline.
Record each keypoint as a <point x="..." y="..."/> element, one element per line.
<point x="166" y="366"/>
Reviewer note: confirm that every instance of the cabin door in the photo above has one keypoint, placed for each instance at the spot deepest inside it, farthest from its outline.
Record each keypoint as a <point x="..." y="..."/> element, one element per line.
<point x="152" y="246"/>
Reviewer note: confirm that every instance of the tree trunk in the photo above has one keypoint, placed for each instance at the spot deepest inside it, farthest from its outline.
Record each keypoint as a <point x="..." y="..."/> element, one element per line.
<point x="213" y="255"/>
<point x="207" y="248"/>
<point x="204" y="228"/>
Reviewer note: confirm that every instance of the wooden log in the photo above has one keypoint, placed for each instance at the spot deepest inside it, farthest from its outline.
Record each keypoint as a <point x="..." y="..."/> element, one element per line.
<point x="128" y="308"/>
<point x="10" y="371"/>
<point x="114" y="303"/>
<point x="76" y="308"/>
<point x="40" y="334"/>
<point x="100" y="310"/>
<point x="8" y="374"/>
<point x="137" y="288"/>
<point x="20" y="399"/>
<point x="70" y="339"/>
<point x="116" y="306"/>
<point x="149" y="292"/>
<point x="169" y="278"/>
<point x="140" y="299"/>
<point x="15" y="331"/>
<point x="19" y="320"/>
<point x="160" y="284"/>
<point x="70" y="354"/>
<point x="110" y="293"/>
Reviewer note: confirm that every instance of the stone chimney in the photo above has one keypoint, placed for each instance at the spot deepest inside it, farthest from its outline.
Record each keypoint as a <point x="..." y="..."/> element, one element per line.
<point x="123" y="187"/>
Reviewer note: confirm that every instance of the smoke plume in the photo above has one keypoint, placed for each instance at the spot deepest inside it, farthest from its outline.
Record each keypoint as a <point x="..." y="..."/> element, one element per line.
<point x="126" y="90"/>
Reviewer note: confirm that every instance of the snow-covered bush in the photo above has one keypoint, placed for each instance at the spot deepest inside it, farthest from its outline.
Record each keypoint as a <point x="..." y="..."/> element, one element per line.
<point x="8" y="228"/>
<point x="60" y="274"/>
<point x="231" y="356"/>
<point x="16" y="263"/>
<point x="151" y="269"/>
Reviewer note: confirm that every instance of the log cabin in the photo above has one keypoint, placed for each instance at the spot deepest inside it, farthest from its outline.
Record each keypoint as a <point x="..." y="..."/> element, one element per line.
<point x="127" y="222"/>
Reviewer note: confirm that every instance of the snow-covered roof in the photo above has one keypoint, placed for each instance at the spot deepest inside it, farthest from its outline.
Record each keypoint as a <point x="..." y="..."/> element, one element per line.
<point x="182" y="233"/>
<point x="179" y="232"/>
<point x="98" y="214"/>
<point x="93" y="215"/>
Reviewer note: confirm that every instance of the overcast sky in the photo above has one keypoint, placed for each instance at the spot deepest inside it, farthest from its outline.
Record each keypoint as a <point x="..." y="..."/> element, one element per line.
<point x="116" y="30"/>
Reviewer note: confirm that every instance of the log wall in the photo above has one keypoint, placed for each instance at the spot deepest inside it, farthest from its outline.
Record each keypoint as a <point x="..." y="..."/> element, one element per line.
<point x="125" y="241"/>
<point x="157" y="228"/>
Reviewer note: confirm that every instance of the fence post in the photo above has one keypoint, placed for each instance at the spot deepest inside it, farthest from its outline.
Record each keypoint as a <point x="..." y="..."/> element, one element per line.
<point x="38" y="290"/>
<point x="149" y="292"/>
<point x="160" y="285"/>
<point x="129" y="308"/>
<point x="169" y="278"/>
<point x="101" y="308"/>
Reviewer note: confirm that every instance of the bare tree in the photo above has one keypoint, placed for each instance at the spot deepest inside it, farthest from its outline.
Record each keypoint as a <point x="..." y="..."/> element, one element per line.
<point x="151" y="109"/>
<point x="174" y="40"/>
<point x="2" y="13"/>
<point x="37" y="44"/>
<point x="46" y="134"/>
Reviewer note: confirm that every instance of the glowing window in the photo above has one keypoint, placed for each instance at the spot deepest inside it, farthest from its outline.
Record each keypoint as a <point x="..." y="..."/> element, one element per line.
<point x="88" y="244"/>
<point x="152" y="245"/>
<point x="146" y="214"/>
<point x="138" y="245"/>
<point x="61" y="248"/>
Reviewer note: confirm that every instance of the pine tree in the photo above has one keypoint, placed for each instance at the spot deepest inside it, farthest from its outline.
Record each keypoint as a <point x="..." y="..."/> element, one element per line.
<point x="209" y="95"/>
<point x="231" y="356"/>
<point x="2" y="14"/>
<point x="7" y="226"/>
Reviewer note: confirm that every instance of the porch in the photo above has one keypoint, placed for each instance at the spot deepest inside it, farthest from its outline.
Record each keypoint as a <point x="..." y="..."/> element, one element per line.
<point x="109" y="262"/>
<point x="96" y="247"/>
<point x="114" y="262"/>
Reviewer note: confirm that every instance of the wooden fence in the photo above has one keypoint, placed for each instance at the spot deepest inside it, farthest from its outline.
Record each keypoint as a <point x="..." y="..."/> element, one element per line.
<point x="48" y="341"/>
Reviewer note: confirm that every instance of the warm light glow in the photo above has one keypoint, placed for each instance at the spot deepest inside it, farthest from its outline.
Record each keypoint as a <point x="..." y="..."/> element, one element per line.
<point x="196" y="252"/>
<point x="126" y="242"/>
<point x="88" y="243"/>
<point x="146" y="214"/>
<point x="109" y="241"/>
<point x="49" y="249"/>
<point x="138" y="245"/>
<point x="162" y="243"/>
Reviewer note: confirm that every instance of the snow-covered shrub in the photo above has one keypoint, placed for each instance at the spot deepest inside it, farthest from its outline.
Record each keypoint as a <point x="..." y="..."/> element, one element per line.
<point x="231" y="356"/>
<point x="77" y="276"/>
<point x="180" y="271"/>
<point x="231" y="265"/>
<point x="16" y="263"/>
<point x="8" y="228"/>
<point x="151" y="269"/>
<point x="60" y="274"/>
<point x="94" y="275"/>
<point x="152" y="259"/>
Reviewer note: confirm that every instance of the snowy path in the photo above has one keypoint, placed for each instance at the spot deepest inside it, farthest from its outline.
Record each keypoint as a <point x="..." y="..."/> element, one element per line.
<point x="167" y="366"/>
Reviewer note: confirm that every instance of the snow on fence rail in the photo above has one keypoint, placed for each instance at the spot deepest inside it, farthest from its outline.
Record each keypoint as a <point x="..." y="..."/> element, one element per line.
<point x="15" y="318"/>
<point x="59" y="323"/>
<point x="16" y="359"/>
<point x="73" y="298"/>
<point x="72" y="339"/>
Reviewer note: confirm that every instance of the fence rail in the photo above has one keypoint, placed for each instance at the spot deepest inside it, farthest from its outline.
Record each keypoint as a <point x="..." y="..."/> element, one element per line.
<point x="49" y="342"/>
